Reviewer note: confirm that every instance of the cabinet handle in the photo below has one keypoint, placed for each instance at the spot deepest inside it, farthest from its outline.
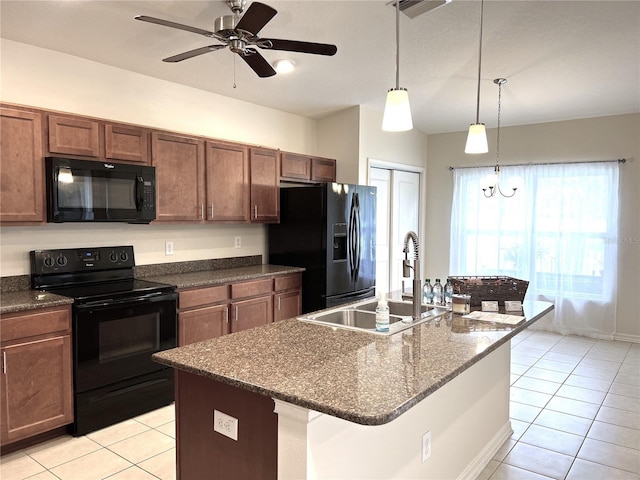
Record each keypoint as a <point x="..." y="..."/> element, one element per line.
<point x="202" y="211"/>
<point x="4" y="362"/>
<point x="255" y="212"/>
<point x="279" y="298"/>
<point x="212" y="211"/>
<point x="236" y="317"/>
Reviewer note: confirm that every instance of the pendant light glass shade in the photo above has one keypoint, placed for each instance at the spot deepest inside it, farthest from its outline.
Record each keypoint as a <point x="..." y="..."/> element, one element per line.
<point x="397" y="111"/>
<point x="477" y="136"/>
<point x="477" y="139"/>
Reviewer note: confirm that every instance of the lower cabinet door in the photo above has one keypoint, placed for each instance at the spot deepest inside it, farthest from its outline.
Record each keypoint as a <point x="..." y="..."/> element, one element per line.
<point x="251" y="313"/>
<point x="287" y="305"/>
<point x="202" y="324"/>
<point x="36" y="387"/>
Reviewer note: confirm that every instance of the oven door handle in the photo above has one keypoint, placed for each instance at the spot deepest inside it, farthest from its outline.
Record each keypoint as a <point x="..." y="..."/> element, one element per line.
<point x="148" y="298"/>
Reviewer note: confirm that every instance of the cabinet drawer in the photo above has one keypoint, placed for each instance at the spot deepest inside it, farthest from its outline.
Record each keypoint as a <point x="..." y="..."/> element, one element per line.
<point x="202" y="296"/>
<point x="253" y="288"/>
<point x="287" y="282"/>
<point x="34" y="323"/>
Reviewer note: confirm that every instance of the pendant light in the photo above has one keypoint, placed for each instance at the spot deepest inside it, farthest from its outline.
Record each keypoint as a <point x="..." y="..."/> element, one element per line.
<point x="397" y="111"/>
<point x="477" y="136"/>
<point x="493" y="181"/>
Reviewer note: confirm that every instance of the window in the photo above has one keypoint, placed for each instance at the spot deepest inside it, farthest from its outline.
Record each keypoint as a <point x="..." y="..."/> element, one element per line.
<point x="558" y="232"/>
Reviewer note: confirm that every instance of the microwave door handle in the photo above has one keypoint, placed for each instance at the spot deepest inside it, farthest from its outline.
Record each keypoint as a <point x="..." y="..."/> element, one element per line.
<point x="139" y="193"/>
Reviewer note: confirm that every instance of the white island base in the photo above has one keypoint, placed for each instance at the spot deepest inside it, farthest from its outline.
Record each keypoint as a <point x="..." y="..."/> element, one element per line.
<point x="468" y="419"/>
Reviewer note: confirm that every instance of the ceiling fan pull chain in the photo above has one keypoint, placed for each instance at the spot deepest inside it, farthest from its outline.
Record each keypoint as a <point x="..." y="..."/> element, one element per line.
<point x="234" y="71"/>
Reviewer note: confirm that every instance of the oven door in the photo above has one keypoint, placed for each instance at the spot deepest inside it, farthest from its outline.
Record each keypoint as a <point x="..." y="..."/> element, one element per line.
<point x="114" y="340"/>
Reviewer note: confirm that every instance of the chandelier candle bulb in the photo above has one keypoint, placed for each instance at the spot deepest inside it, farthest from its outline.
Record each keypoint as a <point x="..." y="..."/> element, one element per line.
<point x="461" y="303"/>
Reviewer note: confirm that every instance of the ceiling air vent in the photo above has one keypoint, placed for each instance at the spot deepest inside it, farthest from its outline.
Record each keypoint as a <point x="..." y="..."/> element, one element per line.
<point x="413" y="8"/>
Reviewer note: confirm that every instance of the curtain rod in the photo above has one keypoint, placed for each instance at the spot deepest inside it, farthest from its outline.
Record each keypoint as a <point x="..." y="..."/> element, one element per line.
<point x="619" y="160"/>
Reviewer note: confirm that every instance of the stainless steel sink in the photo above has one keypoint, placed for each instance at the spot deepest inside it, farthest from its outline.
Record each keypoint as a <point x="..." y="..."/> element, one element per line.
<point x="351" y="318"/>
<point x="361" y="316"/>
<point x="402" y="309"/>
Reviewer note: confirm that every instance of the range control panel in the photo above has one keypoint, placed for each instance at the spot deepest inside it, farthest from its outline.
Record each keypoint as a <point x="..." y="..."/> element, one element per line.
<point x="72" y="260"/>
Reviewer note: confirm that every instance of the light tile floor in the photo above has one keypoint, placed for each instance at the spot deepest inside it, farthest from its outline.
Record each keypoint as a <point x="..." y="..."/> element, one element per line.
<point x="575" y="412"/>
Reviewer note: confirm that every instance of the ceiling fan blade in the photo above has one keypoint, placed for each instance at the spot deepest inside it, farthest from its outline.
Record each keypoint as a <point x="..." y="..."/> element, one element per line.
<point x="193" y="53"/>
<point x="257" y="16"/>
<point x="167" y="23"/>
<point x="296" y="46"/>
<point x="257" y="63"/>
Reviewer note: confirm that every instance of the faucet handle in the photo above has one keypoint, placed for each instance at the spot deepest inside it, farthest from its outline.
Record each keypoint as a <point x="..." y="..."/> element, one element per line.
<point x="406" y="268"/>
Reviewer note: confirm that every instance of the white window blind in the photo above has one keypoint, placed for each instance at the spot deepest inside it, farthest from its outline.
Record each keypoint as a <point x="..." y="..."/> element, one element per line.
<point x="559" y="232"/>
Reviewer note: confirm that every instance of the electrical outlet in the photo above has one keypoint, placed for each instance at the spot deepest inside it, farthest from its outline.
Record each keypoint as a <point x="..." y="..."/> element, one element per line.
<point x="238" y="243"/>
<point x="426" y="446"/>
<point x="168" y="248"/>
<point x="225" y="425"/>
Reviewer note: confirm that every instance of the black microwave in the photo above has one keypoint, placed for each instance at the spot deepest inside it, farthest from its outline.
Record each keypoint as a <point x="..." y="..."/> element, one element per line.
<point x="92" y="191"/>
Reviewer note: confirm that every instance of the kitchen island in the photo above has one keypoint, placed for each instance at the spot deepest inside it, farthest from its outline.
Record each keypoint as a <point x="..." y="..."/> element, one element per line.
<point x="347" y="404"/>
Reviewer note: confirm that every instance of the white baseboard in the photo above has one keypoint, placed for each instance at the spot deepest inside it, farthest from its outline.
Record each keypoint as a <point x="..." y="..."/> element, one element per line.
<point x="623" y="337"/>
<point x="483" y="458"/>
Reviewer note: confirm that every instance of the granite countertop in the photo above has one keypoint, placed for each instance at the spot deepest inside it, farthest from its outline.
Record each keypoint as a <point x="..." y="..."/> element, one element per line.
<point x="218" y="277"/>
<point x="360" y="377"/>
<point x="20" y="300"/>
<point x="12" y="302"/>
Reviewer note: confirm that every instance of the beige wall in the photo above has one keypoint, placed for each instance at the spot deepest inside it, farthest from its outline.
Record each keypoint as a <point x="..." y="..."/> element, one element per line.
<point x="601" y="138"/>
<point x="43" y="78"/>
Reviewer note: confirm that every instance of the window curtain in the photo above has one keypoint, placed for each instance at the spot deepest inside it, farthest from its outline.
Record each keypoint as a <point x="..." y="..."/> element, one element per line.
<point x="559" y="232"/>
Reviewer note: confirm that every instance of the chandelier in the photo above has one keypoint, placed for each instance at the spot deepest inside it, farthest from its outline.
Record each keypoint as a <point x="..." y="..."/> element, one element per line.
<point x="491" y="184"/>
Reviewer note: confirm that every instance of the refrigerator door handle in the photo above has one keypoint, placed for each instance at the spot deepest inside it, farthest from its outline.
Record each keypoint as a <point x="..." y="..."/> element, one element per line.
<point x="351" y="237"/>
<point x="358" y="237"/>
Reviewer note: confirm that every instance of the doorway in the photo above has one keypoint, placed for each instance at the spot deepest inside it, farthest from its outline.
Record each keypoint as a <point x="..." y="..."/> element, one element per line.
<point x="398" y="211"/>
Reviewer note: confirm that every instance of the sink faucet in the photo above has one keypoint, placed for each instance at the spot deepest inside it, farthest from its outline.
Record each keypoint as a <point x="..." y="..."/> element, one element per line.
<point x="406" y="270"/>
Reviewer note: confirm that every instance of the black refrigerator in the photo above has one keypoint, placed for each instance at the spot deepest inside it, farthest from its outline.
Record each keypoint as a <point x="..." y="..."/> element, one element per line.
<point x="330" y="230"/>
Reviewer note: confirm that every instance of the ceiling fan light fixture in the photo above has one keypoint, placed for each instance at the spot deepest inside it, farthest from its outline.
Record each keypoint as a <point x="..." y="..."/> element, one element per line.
<point x="284" y="66"/>
<point x="397" y="111"/>
<point x="477" y="139"/>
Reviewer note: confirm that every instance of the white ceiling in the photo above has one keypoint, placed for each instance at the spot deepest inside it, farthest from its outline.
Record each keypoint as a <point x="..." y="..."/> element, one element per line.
<point x="562" y="59"/>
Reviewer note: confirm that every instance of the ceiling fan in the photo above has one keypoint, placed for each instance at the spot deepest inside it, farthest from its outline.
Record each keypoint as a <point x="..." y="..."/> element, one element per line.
<point x="240" y="32"/>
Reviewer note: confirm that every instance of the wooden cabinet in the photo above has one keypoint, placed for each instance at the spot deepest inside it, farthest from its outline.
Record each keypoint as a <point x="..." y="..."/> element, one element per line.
<point x="227" y="185"/>
<point x="179" y="163"/>
<point x="265" y="185"/>
<point x="209" y="312"/>
<point x="252" y="304"/>
<point x="73" y="136"/>
<point x="203" y="313"/>
<point x="127" y="143"/>
<point x="304" y="168"/>
<point x="84" y="136"/>
<point x="295" y="167"/>
<point x="287" y="297"/>
<point x="36" y="382"/>
<point x="22" y="191"/>
<point x="323" y="170"/>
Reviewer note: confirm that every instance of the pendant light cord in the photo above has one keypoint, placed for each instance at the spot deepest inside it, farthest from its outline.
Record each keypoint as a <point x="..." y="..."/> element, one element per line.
<point x="479" y="63"/>
<point x="500" y="82"/>
<point x="398" y="44"/>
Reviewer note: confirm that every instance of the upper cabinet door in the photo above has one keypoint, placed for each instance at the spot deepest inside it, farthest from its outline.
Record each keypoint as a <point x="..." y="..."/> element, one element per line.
<point x="227" y="182"/>
<point x="265" y="182"/>
<point x="73" y="136"/>
<point x="295" y="167"/>
<point x="126" y="143"/>
<point x="21" y="167"/>
<point x="179" y="163"/>
<point x="323" y="169"/>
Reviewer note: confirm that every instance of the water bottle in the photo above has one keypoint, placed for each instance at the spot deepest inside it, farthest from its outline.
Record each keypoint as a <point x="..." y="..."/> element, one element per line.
<point x="437" y="293"/>
<point x="448" y="293"/>
<point x="427" y="292"/>
<point x="382" y="315"/>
